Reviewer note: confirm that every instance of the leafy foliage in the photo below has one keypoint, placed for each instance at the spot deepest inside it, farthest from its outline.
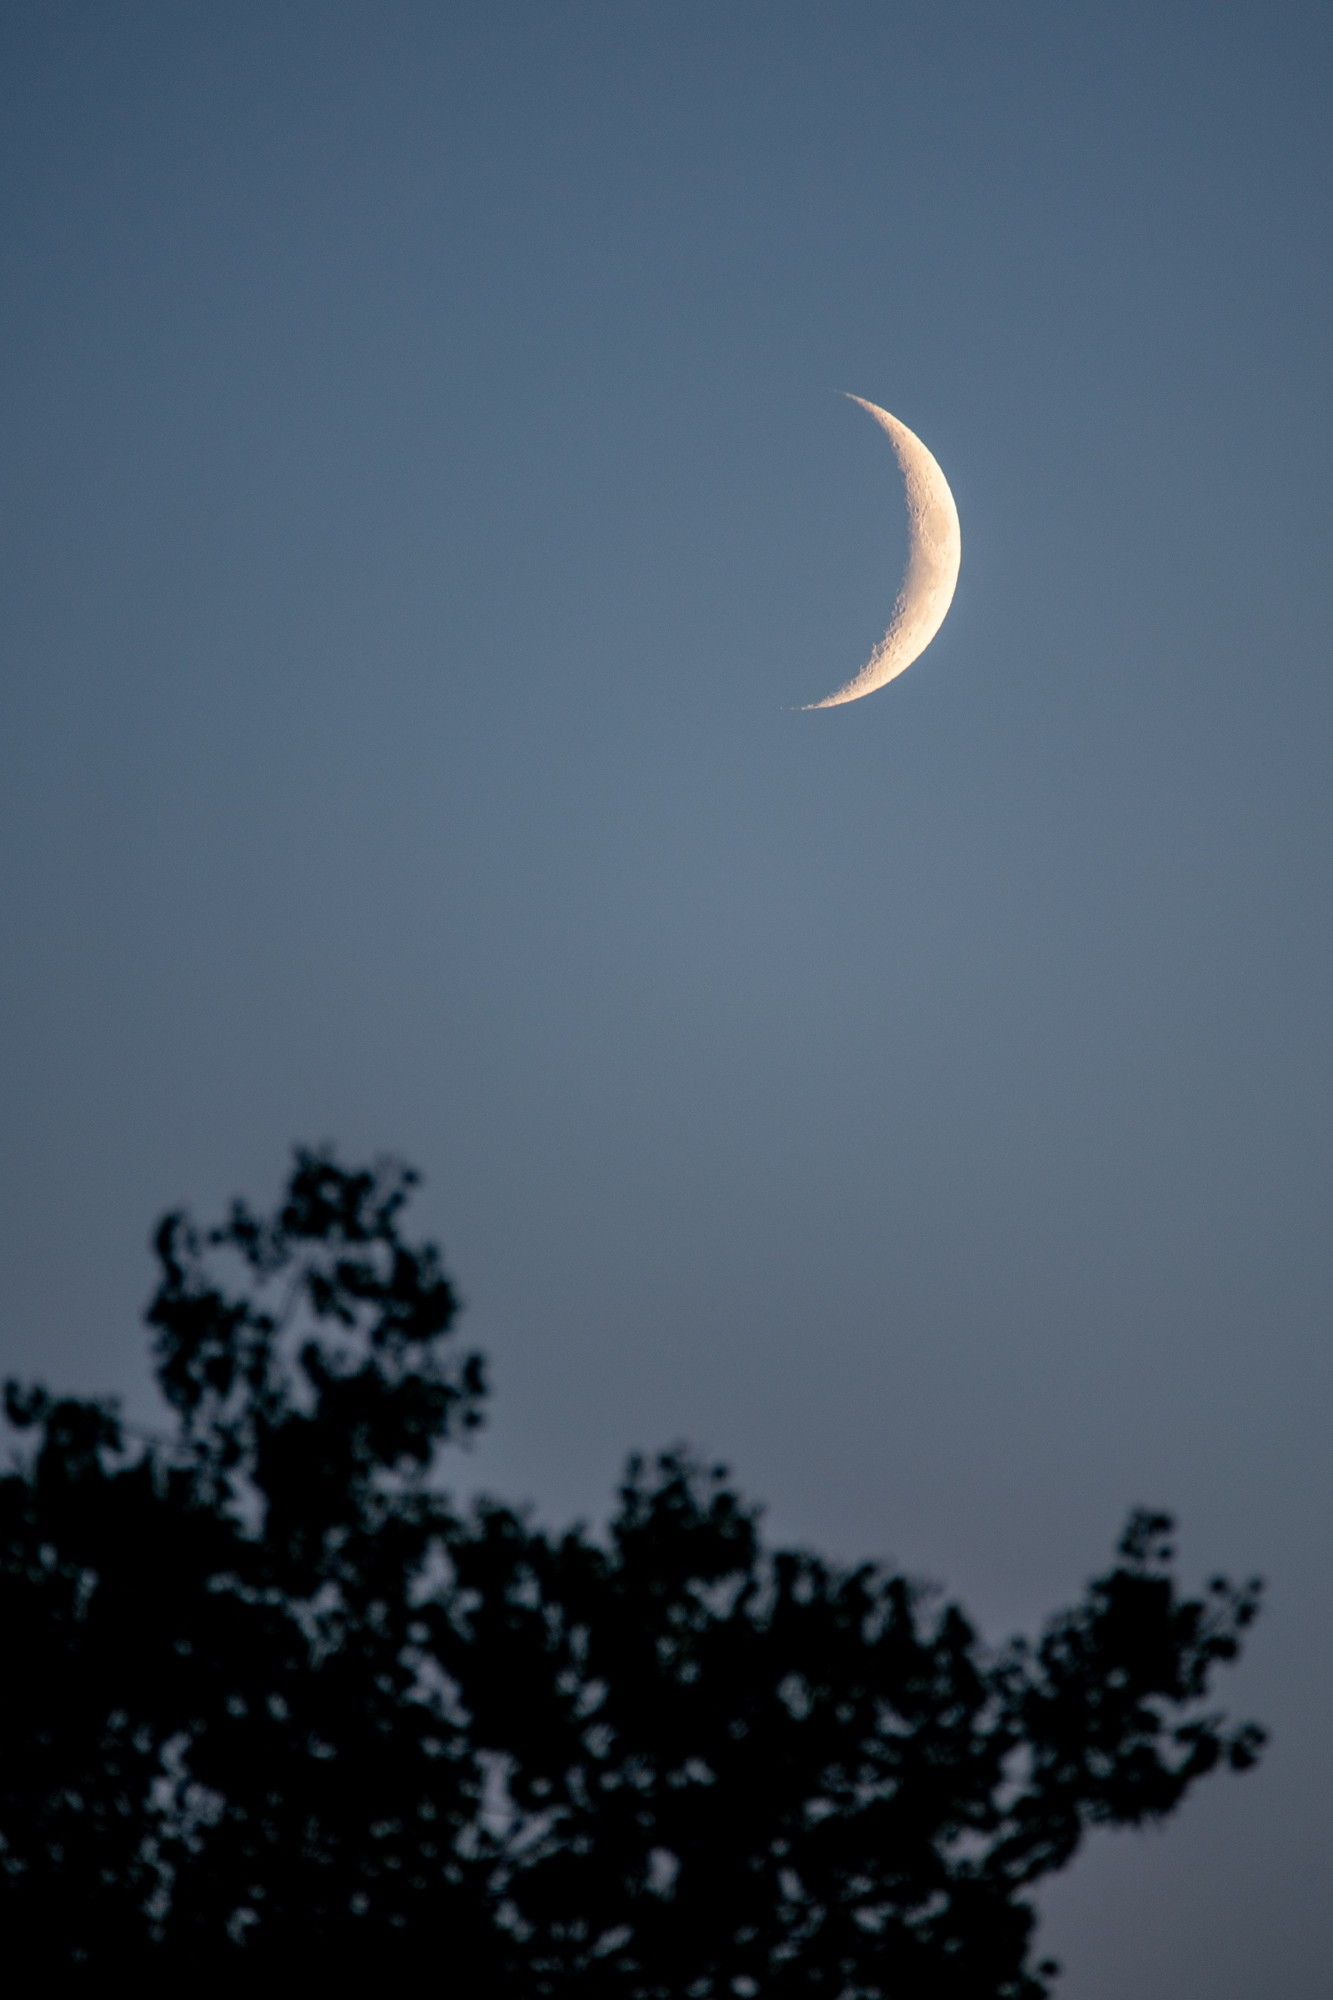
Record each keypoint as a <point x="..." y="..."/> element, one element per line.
<point x="271" y="1698"/>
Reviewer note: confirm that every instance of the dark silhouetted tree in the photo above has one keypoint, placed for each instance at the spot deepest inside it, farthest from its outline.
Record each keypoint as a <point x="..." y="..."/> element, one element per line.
<point x="270" y="1700"/>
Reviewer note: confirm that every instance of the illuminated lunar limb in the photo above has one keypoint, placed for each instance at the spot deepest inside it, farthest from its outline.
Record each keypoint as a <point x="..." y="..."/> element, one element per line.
<point x="934" y="553"/>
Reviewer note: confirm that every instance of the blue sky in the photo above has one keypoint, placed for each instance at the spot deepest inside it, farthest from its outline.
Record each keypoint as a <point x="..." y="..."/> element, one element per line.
<point x="427" y="494"/>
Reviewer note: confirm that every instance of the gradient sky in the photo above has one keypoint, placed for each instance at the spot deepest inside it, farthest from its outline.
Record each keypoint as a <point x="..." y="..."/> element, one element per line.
<point x="427" y="496"/>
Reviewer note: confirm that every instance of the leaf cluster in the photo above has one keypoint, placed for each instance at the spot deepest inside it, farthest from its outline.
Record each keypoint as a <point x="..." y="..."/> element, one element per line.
<point x="271" y="1698"/>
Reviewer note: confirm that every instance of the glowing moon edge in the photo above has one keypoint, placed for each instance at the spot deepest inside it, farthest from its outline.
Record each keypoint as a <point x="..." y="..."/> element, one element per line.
<point x="934" y="554"/>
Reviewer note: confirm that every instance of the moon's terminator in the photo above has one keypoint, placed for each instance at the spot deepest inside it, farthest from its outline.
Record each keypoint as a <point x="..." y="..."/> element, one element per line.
<point x="933" y="555"/>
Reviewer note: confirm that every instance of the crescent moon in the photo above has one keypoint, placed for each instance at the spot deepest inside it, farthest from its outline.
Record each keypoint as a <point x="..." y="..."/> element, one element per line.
<point x="934" y="552"/>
